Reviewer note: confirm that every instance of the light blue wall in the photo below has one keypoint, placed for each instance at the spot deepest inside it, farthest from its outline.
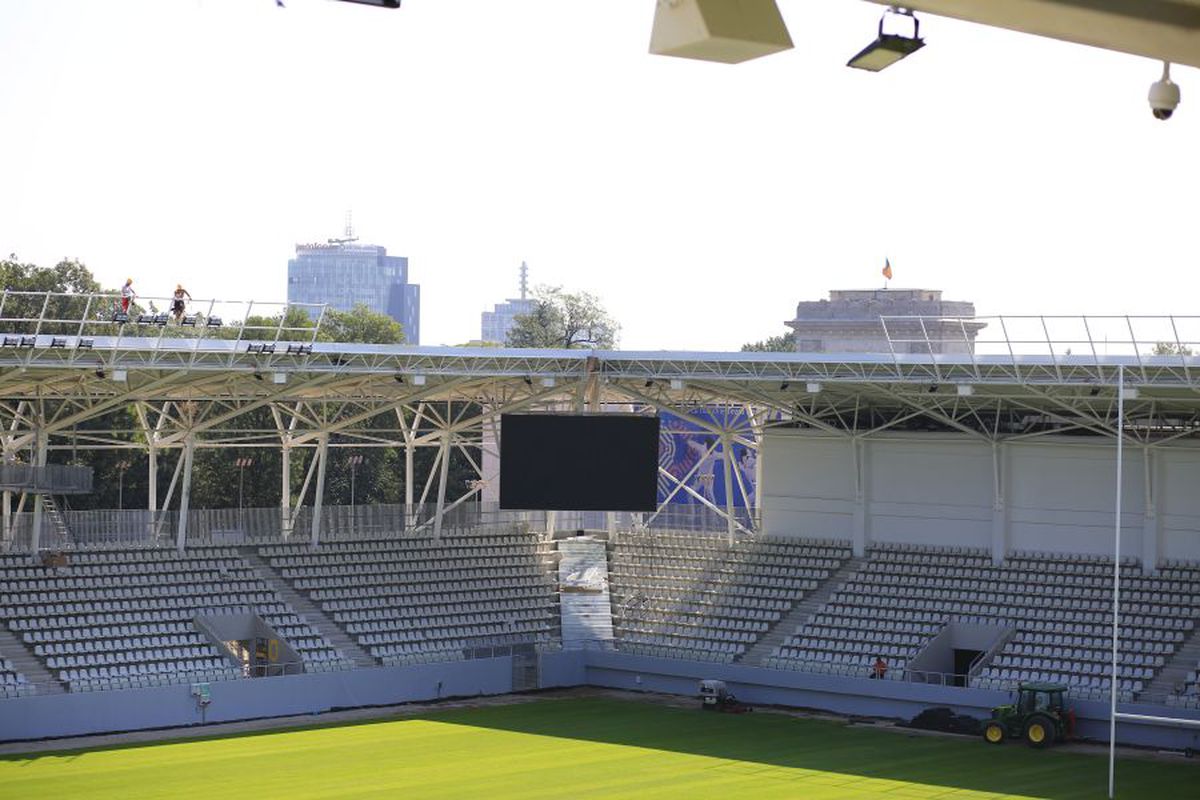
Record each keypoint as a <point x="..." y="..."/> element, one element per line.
<point x="861" y="696"/>
<point x="172" y="706"/>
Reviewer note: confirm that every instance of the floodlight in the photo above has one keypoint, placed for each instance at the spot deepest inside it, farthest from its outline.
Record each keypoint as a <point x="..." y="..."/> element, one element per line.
<point x="677" y="383"/>
<point x="418" y="380"/>
<point x="548" y="382"/>
<point x="889" y="47"/>
<point x="718" y="30"/>
<point x="279" y="377"/>
<point x="119" y="375"/>
<point x="965" y="390"/>
<point x="813" y="387"/>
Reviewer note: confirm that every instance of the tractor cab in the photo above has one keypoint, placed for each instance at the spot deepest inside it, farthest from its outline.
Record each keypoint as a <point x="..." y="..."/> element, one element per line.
<point x="715" y="696"/>
<point x="1039" y="715"/>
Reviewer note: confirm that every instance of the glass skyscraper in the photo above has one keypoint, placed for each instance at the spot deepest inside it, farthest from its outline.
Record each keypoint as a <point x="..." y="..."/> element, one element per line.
<point x="343" y="274"/>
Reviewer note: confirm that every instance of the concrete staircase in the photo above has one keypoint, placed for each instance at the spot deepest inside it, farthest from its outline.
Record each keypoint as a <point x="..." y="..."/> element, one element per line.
<point x="801" y="613"/>
<point x="310" y="611"/>
<point x="1172" y="674"/>
<point x="26" y="663"/>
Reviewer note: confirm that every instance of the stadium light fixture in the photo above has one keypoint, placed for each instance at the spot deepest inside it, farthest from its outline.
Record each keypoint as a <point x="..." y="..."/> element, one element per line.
<point x="717" y="30"/>
<point x="548" y="382"/>
<point x="677" y="383"/>
<point x="889" y="48"/>
<point x="418" y="380"/>
<point x="120" y="376"/>
<point x="279" y="377"/>
<point x="1131" y="393"/>
<point x="376" y="3"/>
<point x="965" y="390"/>
<point x="813" y="387"/>
<point x="783" y="387"/>
<point x="398" y="378"/>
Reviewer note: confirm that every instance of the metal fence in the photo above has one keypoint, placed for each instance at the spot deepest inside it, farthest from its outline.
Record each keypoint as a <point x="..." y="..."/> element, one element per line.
<point x="38" y="319"/>
<point x="52" y="478"/>
<point x="231" y="526"/>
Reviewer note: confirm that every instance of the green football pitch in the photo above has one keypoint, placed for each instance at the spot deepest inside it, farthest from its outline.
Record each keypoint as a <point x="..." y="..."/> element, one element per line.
<point x="584" y="748"/>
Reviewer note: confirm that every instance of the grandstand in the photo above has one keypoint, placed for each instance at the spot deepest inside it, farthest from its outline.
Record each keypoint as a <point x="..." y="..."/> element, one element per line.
<point x="951" y="515"/>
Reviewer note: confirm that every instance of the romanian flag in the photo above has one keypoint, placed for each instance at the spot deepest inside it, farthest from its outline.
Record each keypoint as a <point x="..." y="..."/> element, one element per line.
<point x="887" y="269"/>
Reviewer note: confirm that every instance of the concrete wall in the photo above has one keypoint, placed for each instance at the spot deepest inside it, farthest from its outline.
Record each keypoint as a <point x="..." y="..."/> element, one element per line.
<point x="1049" y="494"/>
<point x="49" y="716"/>
<point x="173" y="706"/>
<point x="861" y="696"/>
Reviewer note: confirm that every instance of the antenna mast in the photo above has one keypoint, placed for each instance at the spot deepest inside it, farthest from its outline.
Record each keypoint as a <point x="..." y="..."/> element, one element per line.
<point x="524" y="279"/>
<point x="349" y="233"/>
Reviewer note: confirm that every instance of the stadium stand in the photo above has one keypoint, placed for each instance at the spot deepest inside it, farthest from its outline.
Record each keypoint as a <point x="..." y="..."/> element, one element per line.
<point x="12" y="682"/>
<point x="694" y="596"/>
<point x="1058" y="605"/>
<point x="416" y="599"/>
<point x="124" y="618"/>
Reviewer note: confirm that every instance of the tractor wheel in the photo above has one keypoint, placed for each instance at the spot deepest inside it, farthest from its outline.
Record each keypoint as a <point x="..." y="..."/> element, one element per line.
<point x="1039" y="731"/>
<point x="993" y="733"/>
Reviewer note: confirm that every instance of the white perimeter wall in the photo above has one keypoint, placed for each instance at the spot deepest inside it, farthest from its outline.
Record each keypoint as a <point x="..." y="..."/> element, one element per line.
<point x="1050" y="494"/>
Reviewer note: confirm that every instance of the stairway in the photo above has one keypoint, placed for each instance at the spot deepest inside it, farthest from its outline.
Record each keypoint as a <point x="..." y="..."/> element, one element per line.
<point x="800" y="614"/>
<point x="1172" y="674"/>
<point x="26" y="663"/>
<point x="58" y="523"/>
<point x="310" y="611"/>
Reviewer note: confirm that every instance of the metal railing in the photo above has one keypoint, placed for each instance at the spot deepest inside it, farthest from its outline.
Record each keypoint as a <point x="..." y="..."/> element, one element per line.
<point x="232" y="526"/>
<point x="1088" y="339"/>
<point x="72" y="321"/>
<point x="52" y="478"/>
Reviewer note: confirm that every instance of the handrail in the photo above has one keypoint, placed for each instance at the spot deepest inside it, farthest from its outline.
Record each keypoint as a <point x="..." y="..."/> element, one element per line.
<point x="44" y="319"/>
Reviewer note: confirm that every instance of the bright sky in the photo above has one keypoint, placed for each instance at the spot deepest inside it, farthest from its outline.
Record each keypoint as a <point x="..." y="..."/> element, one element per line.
<point x="199" y="140"/>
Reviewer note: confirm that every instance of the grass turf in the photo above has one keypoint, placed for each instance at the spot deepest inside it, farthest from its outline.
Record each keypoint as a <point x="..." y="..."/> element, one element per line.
<point x="584" y="748"/>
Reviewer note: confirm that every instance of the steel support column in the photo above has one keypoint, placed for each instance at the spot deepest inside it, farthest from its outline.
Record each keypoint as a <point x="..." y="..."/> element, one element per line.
<point x="727" y="452"/>
<point x="319" y="496"/>
<point x="410" y="514"/>
<point x="441" y="495"/>
<point x="39" y="460"/>
<point x="285" y="492"/>
<point x="185" y="492"/>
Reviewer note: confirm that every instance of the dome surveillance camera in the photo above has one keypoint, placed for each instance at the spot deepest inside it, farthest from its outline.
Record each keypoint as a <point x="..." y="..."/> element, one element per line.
<point x="1164" y="95"/>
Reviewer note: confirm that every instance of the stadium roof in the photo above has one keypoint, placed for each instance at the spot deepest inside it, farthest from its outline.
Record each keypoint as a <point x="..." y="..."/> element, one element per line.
<point x="1168" y="30"/>
<point x="333" y="387"/>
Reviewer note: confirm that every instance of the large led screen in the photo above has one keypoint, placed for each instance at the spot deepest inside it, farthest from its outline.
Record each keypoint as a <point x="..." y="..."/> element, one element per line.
<point x="577" y="462"/>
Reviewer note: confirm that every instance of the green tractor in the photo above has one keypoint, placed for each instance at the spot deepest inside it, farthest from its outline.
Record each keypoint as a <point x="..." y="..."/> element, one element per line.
<point x="1040" y="716"/>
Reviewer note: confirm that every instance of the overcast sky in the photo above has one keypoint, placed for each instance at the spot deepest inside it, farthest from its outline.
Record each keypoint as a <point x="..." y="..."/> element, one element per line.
<point x="199" y="140"/>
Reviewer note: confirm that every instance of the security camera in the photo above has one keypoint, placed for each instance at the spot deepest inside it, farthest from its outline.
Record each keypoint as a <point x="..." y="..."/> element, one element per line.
<point x="1164" y="95"/>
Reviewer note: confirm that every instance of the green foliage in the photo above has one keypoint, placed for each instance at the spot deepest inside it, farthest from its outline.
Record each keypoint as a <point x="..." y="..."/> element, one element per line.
<point x="69" y="278"/>
<point x="1170" y="349"/>
<point x="361" y="325"/>
<point x="564" y="320"/>
<point x="784" y="343"/>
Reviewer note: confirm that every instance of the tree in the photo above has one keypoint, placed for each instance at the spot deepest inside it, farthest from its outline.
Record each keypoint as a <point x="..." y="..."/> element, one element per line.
<point x="1170" y="349"/>
<point x="69" y="279"/>
<point x="784" y="343"/>
<point x="361" y="325"/>
<point x="564" y="320"/>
